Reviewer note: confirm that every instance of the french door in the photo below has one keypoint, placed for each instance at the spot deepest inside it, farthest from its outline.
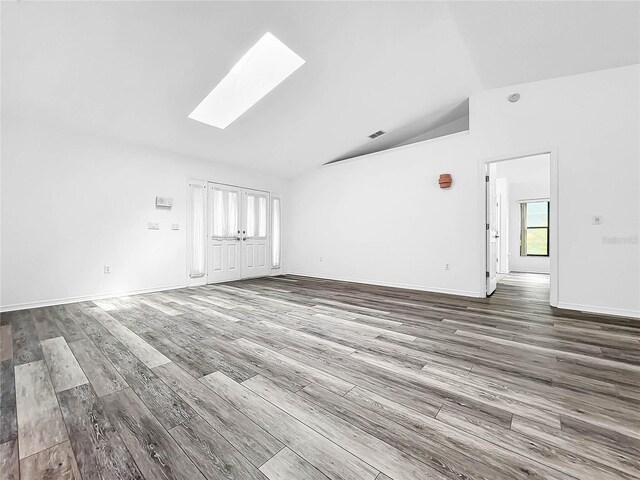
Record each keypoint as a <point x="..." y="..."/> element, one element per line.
<point x="255" y="239"/>
<point x="224" y="253"/>
<point x="238" y="234"/>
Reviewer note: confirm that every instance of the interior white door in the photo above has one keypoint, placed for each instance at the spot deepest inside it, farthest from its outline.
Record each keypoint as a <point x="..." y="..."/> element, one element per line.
<point x="255" y="238"/>
<point x="491" y="228"/>
<point x="224" y="262"/>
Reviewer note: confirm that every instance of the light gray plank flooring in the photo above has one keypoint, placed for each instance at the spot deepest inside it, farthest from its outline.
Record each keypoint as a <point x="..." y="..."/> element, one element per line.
<point x="54" y="462"/>
<point x="302" y="378"/>
<point x="286" y="465"/>
<point x="154" y="451"/>
<point x="318" y="450"/>
<point x="249" y="438"/>
<point x="141" y="349"/>
<point x="212" y="453"/>
<point x="103" y="376"/>
<point x="99" y="450"/>
<point x="40" y="423"/>
<point x="64" y="369"/>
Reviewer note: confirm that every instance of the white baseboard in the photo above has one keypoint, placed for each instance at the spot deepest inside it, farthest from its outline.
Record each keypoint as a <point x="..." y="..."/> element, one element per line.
<point x="530" y="270"/>
<point x="464" y="293"/>
<point x="101" y="296"/>
<point x="86" y="298"/>
<point x="468" y="293"/>
<point x="422" y="288"/>
<point x="603" y="310"/>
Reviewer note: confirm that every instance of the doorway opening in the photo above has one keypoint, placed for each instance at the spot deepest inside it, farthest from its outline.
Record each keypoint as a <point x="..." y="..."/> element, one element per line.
<point x="521" y="225"/>
<point x="233" y="233"/>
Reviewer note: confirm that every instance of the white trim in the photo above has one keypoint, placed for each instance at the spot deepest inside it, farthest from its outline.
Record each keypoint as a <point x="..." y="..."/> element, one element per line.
<point x="533" y="200"/>
<point x="530" y="270"/>
<point x="603" y="310"/>
<point x="554" y="254"/>
<point x="554" y="227"/>
<point x="200" y="279"/>
<point x="85" y="298"/>
<point x="422" y="288"/>
<point x="277" y="268"/>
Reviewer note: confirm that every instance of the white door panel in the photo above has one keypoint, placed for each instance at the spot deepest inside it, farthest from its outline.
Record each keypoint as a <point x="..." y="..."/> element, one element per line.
<point x="255" y="236"/>
<point x="224" y="233"/>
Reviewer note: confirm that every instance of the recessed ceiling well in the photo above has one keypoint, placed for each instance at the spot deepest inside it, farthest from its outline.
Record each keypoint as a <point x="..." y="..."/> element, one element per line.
<point x="260" y="70"/>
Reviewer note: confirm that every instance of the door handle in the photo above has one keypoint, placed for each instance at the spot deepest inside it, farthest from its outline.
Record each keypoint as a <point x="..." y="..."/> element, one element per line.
<point x="238" y="239"/>
<point x="244" y="239"/>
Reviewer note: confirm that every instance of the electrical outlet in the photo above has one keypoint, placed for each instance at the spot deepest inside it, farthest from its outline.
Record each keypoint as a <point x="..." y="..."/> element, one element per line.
<point x="320" y="259"/>
<point x="447" y="266"/>
<point x="107" y="269"/>
<point x="597" y="220"/>
<point x="175" y="226"/>
<point x="153" y="226"/>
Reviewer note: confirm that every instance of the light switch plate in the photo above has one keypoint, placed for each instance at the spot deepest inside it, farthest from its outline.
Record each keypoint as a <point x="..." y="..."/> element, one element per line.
<point x="153" y="225"/>
<point x="107" y="269"/>
<point x="597" y="220"/>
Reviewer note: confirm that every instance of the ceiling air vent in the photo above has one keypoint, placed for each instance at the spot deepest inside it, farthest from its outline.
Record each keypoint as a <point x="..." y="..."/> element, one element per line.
<point x="377" y="134"/>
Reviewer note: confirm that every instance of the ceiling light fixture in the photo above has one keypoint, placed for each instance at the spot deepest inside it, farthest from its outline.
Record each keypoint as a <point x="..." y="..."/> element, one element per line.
<point x="259" y="71"/>
<point x="377" y="134"/>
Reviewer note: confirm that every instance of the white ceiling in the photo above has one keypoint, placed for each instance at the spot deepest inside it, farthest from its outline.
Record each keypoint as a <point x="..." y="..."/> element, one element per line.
<point x="135" y="70"/>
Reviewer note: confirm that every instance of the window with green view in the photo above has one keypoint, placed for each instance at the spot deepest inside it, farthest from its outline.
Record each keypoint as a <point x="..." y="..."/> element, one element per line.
<point x="534" y="229"/>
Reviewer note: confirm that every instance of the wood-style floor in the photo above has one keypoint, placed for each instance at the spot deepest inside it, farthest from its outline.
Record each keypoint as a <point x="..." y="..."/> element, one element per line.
<point x="299" y="378"/>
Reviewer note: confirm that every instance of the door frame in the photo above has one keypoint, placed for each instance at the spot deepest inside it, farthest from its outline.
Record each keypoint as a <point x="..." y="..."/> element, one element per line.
<point x="204" y="280"/>
<point x="491" y="281"/>
<point x="554" y="220"/>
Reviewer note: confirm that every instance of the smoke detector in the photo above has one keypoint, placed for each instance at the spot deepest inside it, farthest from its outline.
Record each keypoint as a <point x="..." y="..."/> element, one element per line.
<point x="513" y="98"/>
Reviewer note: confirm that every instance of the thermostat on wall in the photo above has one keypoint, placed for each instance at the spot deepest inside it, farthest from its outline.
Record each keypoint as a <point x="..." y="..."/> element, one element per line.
<point x="164" y="202"/>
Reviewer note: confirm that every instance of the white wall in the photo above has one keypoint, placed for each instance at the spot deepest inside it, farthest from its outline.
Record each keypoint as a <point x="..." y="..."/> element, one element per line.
<point x="383" y="219"/>
<point x="527" y="179"/>
<point x="73" y="202"/>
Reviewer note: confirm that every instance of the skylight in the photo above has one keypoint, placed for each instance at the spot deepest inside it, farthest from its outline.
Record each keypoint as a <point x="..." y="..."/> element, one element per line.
<point x="258" y="72"/>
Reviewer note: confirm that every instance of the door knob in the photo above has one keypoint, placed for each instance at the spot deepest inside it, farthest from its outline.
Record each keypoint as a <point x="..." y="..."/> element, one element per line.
<point x="244" y="239"/>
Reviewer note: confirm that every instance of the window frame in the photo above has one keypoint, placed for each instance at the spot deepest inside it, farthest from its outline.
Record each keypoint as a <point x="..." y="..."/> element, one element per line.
<point x="524" y="228"/>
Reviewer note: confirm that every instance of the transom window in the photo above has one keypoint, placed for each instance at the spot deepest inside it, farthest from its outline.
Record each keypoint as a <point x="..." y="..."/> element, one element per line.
<point x="534" y="229"/>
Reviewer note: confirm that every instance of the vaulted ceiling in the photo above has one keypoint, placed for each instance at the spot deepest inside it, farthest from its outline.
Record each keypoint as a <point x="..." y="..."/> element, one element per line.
<point x="135" y="70"/>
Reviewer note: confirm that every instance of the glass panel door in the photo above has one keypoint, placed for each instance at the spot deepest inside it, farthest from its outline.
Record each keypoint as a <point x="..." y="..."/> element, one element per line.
<point x="224" y="233"/>
<point x="255" y="240"/>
